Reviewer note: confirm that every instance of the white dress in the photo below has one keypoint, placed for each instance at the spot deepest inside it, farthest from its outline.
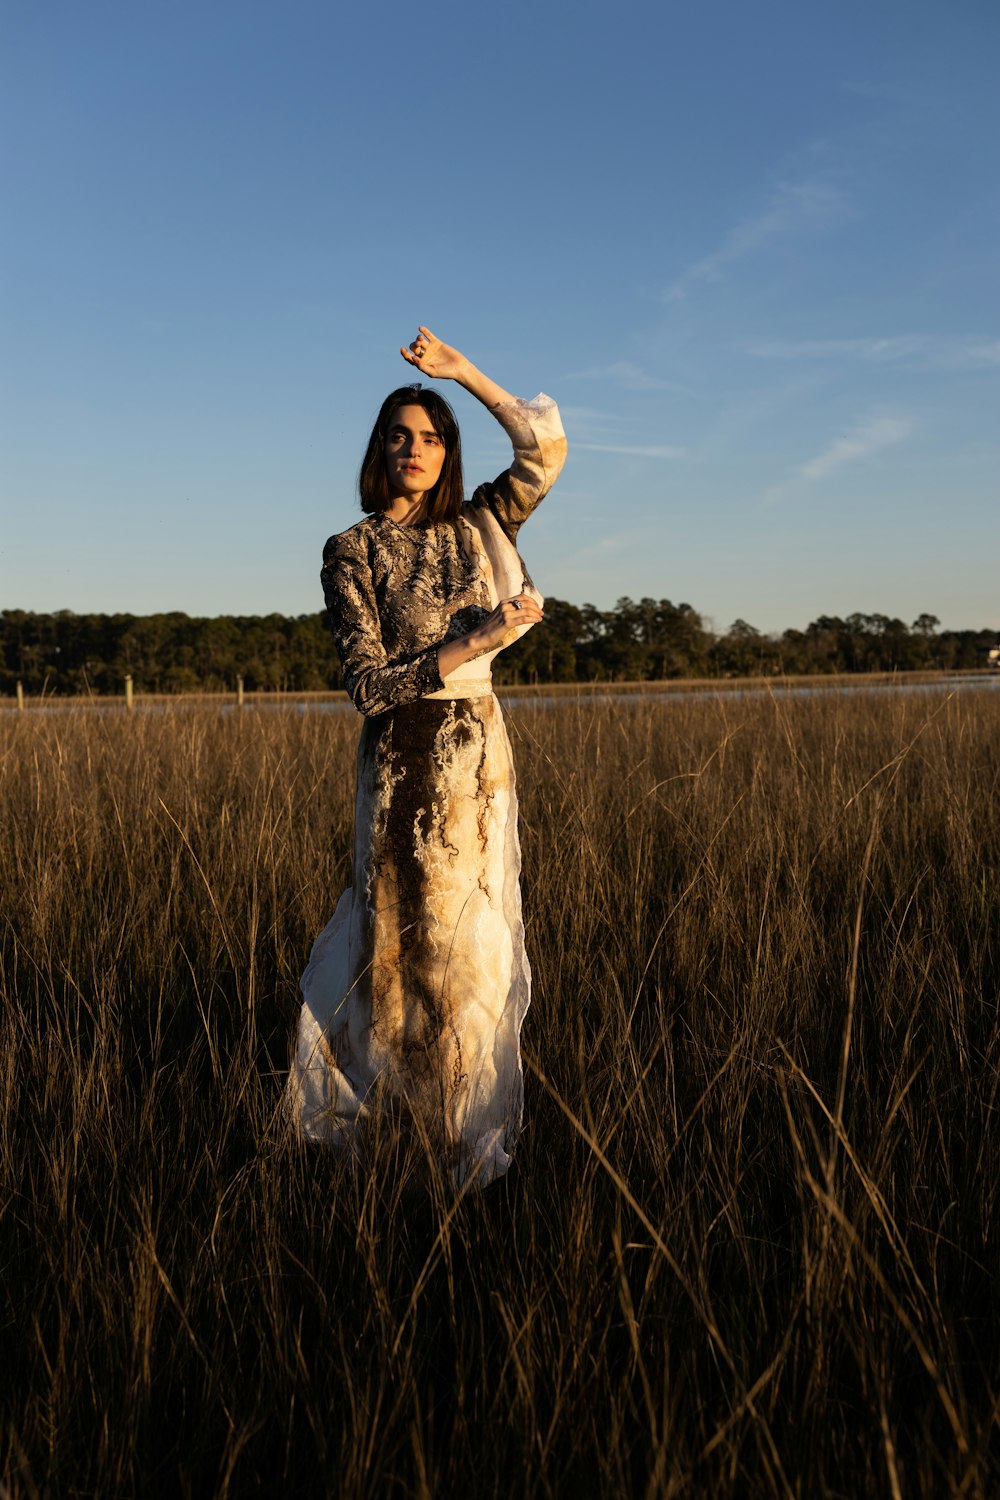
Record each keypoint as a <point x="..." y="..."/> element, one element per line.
<point x="416" y="989"/>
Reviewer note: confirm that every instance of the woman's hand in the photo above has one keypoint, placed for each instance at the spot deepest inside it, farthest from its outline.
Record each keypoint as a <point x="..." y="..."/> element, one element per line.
<point x="432" y="357"/>
<point x="442" y="362"/>
<point x="509" y="615"/>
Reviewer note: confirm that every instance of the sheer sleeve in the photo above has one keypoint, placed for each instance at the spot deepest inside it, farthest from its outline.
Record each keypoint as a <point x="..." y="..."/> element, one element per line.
<point x="374" y="683"/>
<point x="536" y="431"/>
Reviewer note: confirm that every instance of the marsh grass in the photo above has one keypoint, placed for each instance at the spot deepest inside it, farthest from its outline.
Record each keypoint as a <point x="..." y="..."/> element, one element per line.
<point x="749" y="1243"/>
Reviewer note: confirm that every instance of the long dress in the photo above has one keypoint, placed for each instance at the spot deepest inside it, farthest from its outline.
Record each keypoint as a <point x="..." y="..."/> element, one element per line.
<point x="415" y="990"/>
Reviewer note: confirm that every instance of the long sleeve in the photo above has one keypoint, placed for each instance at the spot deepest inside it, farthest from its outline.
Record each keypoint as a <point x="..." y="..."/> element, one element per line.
<point x="536" y="432"/>
<point x="375" y="684"/>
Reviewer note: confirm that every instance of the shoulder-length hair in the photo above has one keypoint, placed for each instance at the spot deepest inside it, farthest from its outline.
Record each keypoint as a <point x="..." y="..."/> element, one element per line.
<point x="444" y="501"/>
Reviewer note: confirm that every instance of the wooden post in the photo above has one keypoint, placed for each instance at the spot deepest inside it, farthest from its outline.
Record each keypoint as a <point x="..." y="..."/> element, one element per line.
<point x="128" y="691"/>
<point x="239" y="692"/>
<point x="20" y="696"/>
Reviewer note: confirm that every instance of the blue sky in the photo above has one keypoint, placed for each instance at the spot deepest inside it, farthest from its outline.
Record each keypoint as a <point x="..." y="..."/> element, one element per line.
<point x="750" y="249"/>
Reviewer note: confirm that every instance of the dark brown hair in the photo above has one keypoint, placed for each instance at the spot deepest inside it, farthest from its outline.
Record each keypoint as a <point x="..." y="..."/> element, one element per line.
<point x="444" y="501"/>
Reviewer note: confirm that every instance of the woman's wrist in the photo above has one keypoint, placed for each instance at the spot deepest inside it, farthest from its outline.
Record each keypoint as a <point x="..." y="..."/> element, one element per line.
<point x="482" y="387"/>
<point x="454" y="654"/>
<point x="466" y="373"/>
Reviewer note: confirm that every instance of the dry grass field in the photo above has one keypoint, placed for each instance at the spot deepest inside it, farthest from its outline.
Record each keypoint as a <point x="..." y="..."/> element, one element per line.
<point x="750" y="1242"/>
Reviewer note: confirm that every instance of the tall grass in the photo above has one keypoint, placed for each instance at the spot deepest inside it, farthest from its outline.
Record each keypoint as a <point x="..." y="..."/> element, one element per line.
<point x="749" y="1243"/>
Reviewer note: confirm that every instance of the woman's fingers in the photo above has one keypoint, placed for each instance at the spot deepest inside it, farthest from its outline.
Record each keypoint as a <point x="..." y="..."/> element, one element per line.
<point x="436" y="359"/>
<point x="424" y="340"/>
<point x="523" y="605"/>
<point x="415" y="352"/>
<point x="510" y="614"/>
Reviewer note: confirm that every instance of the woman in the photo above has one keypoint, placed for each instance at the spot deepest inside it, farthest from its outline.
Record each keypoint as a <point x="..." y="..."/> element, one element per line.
<point x="416" y="989"/>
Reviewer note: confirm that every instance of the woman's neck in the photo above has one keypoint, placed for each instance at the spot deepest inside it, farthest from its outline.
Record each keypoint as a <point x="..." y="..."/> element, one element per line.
<point x="405" y="510"/>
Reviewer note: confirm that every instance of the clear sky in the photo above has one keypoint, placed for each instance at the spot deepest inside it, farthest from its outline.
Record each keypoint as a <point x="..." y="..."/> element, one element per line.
<point x="751" y="249"/>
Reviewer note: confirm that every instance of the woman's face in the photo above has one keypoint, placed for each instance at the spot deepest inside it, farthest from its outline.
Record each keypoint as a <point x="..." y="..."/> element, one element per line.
<point x="414" y="453"/>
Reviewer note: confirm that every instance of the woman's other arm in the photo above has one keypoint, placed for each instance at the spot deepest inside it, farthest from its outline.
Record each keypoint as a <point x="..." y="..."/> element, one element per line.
<point x="492" y="633"/>
<point x="375" y="684"/>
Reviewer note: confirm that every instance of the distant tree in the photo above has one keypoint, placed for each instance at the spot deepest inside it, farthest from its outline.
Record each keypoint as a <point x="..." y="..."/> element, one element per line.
<point x="827" y="639"/>
<point x="744" y="652"/>
<point x="676" y="639"/>
<point x="549" y="652"/>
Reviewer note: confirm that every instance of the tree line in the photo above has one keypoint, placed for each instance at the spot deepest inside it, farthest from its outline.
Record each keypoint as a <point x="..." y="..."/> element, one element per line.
<point x="639" y="640"/>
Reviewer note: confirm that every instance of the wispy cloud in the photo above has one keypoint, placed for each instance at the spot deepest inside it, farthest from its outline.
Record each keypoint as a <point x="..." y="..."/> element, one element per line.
<point x="622" y="372"/>
<point x="794" y="208"/>
<point x="595" y="431"/>
<point x="974" y="355"/>
<point x="865" y="439"/>
<point x="913" y="349"/>
<point x="879" y="350"/>
<point x="600" y="552"/>
<point x="589" y="414"/>
<point x="881" y="92"/>
<point x="635" y="450"/>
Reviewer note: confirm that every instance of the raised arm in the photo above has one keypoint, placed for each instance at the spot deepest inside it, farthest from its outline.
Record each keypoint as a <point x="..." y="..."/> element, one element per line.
<point x="539" y="444"/>
<point x="533" y="427"/>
